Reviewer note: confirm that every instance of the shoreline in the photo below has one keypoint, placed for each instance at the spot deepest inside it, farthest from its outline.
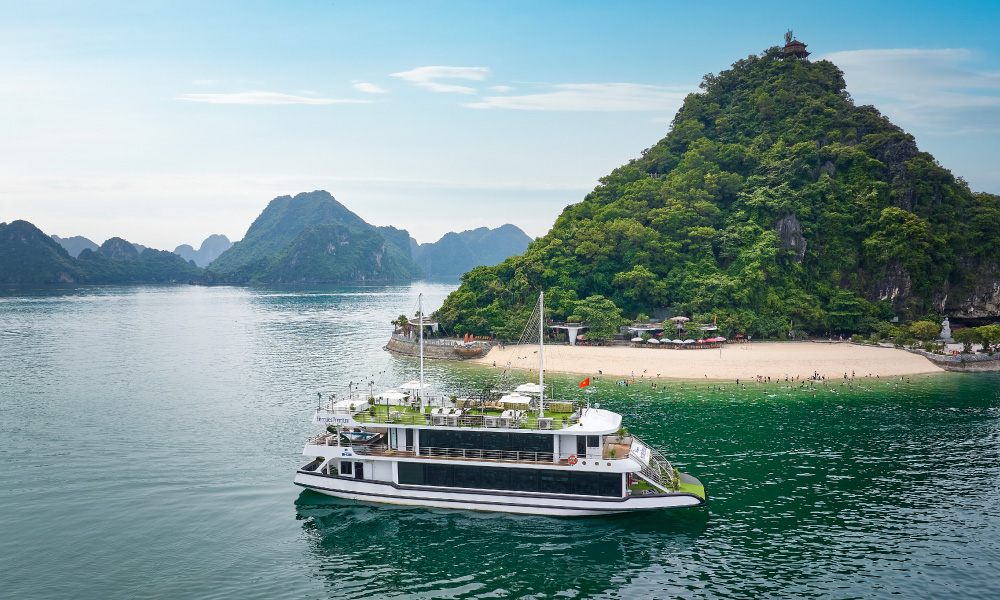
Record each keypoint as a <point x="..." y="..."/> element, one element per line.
<point x="796" y="360"/>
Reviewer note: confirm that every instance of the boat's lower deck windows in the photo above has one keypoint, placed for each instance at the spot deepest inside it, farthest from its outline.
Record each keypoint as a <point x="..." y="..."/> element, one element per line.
<point x="521" y="480"/>
<point x="346" y="467"/>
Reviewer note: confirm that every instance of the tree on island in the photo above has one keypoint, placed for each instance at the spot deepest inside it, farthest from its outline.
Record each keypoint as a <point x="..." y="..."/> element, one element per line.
<point x="988" y="336"/>
<point x="967" y="337"/>
<point x="602" y="316"/>
<point x="925" y="331"/>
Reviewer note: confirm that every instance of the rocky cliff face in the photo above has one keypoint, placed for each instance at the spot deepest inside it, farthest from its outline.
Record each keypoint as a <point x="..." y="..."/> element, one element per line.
<point x="979" y="303"/>
<point x="790" y="232"/>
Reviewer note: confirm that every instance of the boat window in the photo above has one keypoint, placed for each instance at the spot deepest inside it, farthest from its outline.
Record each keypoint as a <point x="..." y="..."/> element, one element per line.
<point x="581" y="445"/>
<point x="359" y="470"/>
<point x="486" y="440"/>
<point x="411" y="473"/>
<point x="346" y="467"/>
<point x="547" y="481"/>
<point x="594" y="441"/>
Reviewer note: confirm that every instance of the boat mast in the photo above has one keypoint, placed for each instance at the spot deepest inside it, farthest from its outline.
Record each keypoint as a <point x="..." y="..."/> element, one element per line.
<point x="541" y="354"/>
<point x="420" y="317"/>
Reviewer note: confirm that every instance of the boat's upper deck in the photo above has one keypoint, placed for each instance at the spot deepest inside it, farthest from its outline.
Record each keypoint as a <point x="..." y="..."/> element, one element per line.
<point x="578" y="420"/>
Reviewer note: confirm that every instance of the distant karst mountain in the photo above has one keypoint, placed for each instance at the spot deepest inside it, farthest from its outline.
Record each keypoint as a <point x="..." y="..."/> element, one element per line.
<point x="313" y="238"/>
<point x="28" y="256"/>
<point x="458" y="253"/>
<point x="76" y="244"/>
<point x="213" y="246"/>
<point x="118" y="249"/>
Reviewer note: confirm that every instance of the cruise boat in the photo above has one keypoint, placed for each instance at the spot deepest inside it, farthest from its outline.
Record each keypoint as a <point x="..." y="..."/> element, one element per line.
<point x="508" y="453"/>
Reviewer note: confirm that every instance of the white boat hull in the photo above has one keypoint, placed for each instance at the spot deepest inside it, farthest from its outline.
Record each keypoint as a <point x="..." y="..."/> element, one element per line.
<point x="496" y="501"/>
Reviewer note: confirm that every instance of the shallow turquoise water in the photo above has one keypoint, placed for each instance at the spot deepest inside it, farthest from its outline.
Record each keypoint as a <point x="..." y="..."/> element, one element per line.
<point x="148" y="438"/>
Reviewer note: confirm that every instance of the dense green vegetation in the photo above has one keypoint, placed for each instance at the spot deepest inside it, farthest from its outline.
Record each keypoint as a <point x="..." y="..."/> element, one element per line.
<point x="312" y="238"/>
<point x="279" y="224"/>
<point x="329" y="252"/>
<point x="28" y="256"/>
<point x="773" y="202"/>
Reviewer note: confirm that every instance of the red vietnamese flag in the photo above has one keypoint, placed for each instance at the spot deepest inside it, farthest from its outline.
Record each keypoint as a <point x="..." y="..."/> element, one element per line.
<point x="585" y="382"/>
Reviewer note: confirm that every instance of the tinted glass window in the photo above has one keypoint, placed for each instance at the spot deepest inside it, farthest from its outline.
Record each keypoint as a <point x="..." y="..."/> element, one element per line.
<point x="346" y="467"/>
<point x="546" y="481"/>
<point x="411" y="473"/>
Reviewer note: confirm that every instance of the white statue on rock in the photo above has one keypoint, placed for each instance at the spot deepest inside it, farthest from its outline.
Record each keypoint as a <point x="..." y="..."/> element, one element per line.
<point x="946" y="331"/>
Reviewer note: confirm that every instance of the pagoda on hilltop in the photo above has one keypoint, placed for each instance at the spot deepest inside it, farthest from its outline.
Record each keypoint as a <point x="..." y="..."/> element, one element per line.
<point x="793" y="47"/>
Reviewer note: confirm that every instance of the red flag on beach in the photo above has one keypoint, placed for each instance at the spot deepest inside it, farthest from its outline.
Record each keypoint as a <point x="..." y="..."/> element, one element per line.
<point x="585" y="382"/>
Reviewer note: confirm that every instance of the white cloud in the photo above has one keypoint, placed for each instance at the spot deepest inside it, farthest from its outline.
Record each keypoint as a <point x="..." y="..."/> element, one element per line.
<point x="370" y="88"/>
<point x="427" y="76"/>
<point x="264" y="98"/>
<point x="608" y="97"/>
<point x="500" y="88"/>
<point x="924" y="90"/>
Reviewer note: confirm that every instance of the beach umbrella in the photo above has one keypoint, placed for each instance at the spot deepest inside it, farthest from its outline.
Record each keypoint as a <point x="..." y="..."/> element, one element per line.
<point x="720" y="339"/>
<point x="637" y="339"/>
<point x="700" y="342"/>
<point x="391" y="395"/>
<point x="652" y="341"/>
<point x="677" y="341"/>
<point x="689" y="341"/>
<point x="680" y="319"/>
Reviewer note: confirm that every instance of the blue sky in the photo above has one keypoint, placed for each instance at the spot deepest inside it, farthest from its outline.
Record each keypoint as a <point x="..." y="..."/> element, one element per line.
<point x="163" y="122"/>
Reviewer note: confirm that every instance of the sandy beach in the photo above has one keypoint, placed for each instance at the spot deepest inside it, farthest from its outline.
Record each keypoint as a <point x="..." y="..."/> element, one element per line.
<point x="732" y="361"/>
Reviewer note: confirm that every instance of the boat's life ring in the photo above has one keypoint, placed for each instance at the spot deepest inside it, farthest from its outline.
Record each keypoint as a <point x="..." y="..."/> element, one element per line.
<point x="572" y="459"/>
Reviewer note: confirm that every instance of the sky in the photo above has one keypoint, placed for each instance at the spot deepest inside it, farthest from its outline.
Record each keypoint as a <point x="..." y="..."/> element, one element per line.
<point x="164" y="122"/>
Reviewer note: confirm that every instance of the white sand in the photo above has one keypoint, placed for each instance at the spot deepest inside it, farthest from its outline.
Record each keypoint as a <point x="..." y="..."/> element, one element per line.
<point x="732" y="361"/>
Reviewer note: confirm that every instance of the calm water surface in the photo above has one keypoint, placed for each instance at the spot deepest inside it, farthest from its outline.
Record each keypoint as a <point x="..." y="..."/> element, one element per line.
<point x="149" y="435"/>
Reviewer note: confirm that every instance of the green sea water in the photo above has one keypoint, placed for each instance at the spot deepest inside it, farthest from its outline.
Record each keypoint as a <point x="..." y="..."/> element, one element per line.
<point x="149" y="435"/>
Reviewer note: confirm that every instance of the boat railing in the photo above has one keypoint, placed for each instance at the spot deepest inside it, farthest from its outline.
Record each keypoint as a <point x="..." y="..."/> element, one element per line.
<point x="456" y="453"/>
<point x="514" y="420"/>
<point x="323" y="439"/>
<point x="659" y="470"/>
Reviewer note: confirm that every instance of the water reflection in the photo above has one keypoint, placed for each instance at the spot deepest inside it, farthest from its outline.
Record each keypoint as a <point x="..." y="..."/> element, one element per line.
<point x="381" y="551"/>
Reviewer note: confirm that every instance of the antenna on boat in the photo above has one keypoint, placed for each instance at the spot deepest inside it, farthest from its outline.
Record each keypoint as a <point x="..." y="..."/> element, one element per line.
<point x="541" y="354"/>
<point x="420" y="316"/>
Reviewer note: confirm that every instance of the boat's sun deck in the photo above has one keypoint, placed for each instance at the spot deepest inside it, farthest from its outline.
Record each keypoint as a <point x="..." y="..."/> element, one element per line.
<point x="473" y="417"/>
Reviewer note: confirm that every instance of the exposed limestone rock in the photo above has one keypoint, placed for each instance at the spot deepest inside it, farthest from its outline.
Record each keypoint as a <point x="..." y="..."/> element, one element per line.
<point x="893" y="284"/>
<point x="981" y="302"/>
<point x="790" y="232"/>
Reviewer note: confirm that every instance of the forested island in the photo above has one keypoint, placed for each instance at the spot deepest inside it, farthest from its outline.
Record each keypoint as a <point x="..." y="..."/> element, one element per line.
<point x="305" y="239"/>
<point x="774" y="205"/>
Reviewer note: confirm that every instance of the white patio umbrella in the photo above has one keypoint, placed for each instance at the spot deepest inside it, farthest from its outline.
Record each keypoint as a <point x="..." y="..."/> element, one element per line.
<point x="528" y="388"/>
<point x="391" y="395"/>
<point x="413" y="385"/>
<point x="637" y="339"/>
<point x="689" y="341"/>
<point x="652" y="341"/>
<point x="676" y="341"/>
<point x="516" y="399"/>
